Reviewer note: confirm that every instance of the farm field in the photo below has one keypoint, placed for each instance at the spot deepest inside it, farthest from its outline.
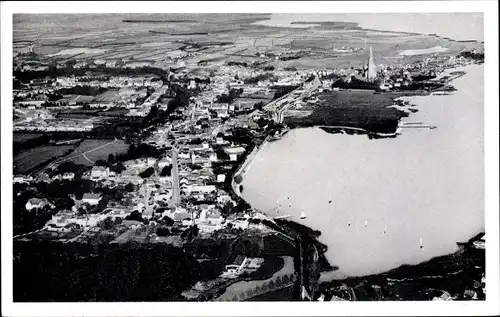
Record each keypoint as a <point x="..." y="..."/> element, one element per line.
<point x="25" y="161"/>
<point x="90" y="151"/>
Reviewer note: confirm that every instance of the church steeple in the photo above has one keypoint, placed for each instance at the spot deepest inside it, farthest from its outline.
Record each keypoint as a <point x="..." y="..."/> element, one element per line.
<point x="372" y="72"/>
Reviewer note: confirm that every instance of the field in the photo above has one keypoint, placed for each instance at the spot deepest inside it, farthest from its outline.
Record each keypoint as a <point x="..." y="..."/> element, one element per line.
<point x="27" y="160"/>
<point x="107" y="96"/>
<point x="77" y="98"/>
<point x="353" y="108"/>
<point x="90" y="151"/>
<point x="114" y="112"/>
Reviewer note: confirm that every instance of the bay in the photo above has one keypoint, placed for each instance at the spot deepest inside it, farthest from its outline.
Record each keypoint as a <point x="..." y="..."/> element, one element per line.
<point x="386" y="194"/>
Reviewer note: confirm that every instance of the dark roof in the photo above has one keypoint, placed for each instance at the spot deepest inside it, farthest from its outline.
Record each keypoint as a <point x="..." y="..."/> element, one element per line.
<point x="239" y="260"/>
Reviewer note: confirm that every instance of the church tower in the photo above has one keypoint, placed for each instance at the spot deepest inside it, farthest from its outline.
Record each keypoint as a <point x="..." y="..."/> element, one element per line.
<point x="372" y="72"/>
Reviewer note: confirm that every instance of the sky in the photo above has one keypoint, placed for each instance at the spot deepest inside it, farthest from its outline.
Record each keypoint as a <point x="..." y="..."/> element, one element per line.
<point x="457" y="26"/>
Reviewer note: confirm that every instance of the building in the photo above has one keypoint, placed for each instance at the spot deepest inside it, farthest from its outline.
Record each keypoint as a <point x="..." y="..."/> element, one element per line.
<point x="92" y="199"/>
<point x="36" y="203"/>
<point x="68" y="176"/>
<point x="243" y="265"/>
<point x="99" y="172"/>
<point x="372" y="71"/>
<point x="233" y="152"/>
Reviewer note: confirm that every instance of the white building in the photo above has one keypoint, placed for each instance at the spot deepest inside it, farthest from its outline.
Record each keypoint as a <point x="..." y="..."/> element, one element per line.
<point x="92" y="199"/>
<point x="99" y="172"/>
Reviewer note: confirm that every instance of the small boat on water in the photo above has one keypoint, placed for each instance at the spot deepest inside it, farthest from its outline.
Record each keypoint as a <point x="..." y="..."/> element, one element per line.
<point x="385" y="230"/>
<point x="302" y="215"/>
<point x="366" y="223"/>
<point x="421" y="244"/>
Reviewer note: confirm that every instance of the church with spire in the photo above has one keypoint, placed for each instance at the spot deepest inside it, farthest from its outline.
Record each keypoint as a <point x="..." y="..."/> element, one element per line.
<point x="371" y="71"/>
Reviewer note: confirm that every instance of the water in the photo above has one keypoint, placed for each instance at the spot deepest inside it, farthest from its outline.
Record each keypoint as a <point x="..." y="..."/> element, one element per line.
<point x="435" y="49"/>
<point x="423" y="185"/>
<point x="79" y="50"/>
<point x="458" y="26"/>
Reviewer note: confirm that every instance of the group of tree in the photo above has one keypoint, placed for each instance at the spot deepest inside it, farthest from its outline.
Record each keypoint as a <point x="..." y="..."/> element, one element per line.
<point x="166" y="171"/>
<point x="69" y="70"/>
<point x="190" y="233"/>
<point x="109" y="223"/>
<point x="259" y="105"/>
<point x="147" y="172"/>
<point x="135" y="215"/>
<point x="235" y="63"/>
<point x="230" y="97"/>
<point x="78" y="273"/>
<point x="289" y="57"/>
<point x="280" y="91"/>
<point x="138" y="151"/>
<point x="261" y="77"/>
<point x="472" y="55"/>
<point x="81" y="90"/>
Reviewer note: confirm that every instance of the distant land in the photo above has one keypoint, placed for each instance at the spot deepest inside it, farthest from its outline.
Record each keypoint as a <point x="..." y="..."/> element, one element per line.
<point x="157" y="21"/>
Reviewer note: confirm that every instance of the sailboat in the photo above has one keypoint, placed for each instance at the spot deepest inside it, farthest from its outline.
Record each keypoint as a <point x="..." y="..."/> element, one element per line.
<point x="366" y="223"/>
<point x="385" y="230"/>
<point x="421" y="244"/>
<point x="302" y="215"/>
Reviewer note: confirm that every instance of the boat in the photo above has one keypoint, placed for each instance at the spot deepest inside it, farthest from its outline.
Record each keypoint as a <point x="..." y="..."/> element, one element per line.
<point x="421" y="244"/>
<point x="302" y="215"/>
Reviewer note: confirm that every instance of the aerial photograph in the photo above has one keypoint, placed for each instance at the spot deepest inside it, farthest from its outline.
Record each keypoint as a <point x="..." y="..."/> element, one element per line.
<point x="214" y="157"/>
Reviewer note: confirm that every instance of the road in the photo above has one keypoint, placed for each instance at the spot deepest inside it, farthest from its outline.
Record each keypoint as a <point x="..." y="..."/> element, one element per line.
<point x="246" y="165"/>
<point x="176" y="195"/>
<point x="148" y="208"/>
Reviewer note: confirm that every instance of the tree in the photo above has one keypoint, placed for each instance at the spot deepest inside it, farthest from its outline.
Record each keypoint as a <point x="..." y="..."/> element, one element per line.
<point x="226" y="210"/>
<point x="106" y="223"/>
<point x="147" y="173"/>
<point x="117" y="168"/>
<point x="135" y="215"/>
<point x="130" y="187"/>
<point x="166" y="171"/>
<point x="163" y="232"/>
<point x="258" y="105"/>
<point x="101" y="163"/>
<point x="103" y="203"/>
<point x="118" y="221"/>
<point x="168" y="221"/>
<point x="111" y="159"/>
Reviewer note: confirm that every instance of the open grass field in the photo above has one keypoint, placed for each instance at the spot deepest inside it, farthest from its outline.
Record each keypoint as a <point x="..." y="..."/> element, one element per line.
<point x="90" y="151"/>
<point x="107" y="96"/>
<point x="25" y="161"/>
<point x="353" y="108"/>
